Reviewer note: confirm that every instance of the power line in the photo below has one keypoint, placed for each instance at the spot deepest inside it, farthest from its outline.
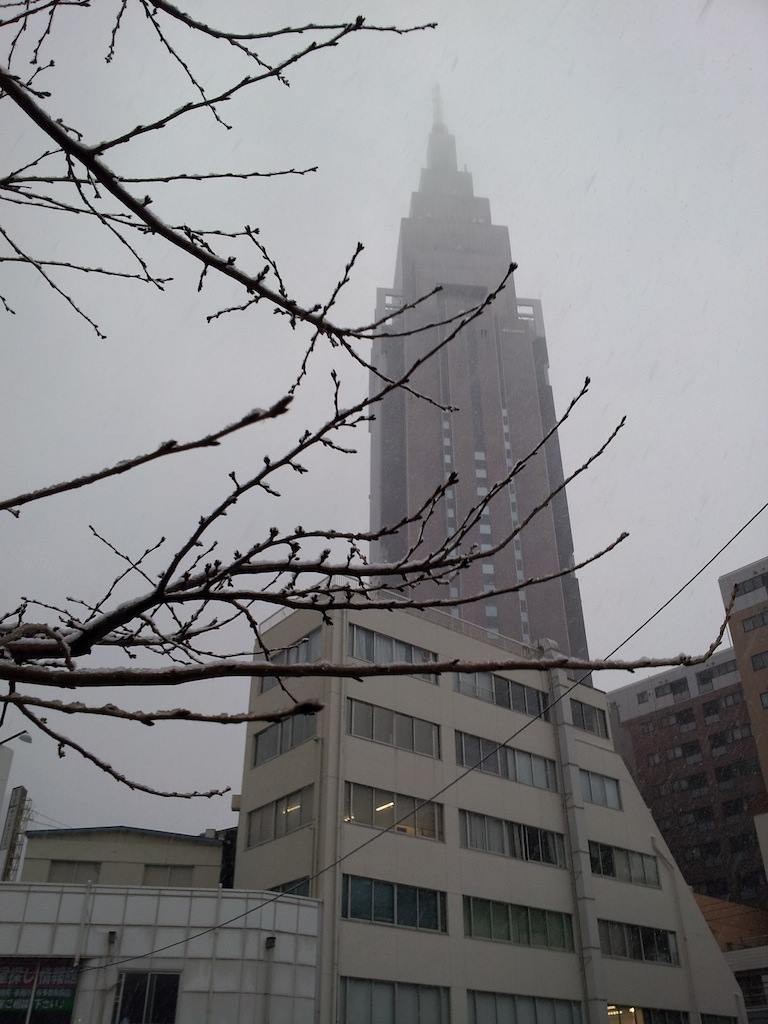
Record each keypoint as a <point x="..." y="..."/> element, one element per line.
<point x="449" y="785"/>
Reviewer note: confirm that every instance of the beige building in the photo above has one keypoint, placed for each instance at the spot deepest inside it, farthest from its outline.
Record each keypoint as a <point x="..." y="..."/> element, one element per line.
<point x="535" y="887"/>
<point x="119" y="855"/>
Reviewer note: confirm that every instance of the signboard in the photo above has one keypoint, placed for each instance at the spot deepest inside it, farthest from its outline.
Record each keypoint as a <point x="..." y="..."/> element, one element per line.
<point x="46" y="987"/>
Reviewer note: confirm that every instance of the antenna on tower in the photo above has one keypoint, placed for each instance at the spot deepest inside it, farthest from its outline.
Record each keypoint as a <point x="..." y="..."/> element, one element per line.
<point x="437" y="105"/>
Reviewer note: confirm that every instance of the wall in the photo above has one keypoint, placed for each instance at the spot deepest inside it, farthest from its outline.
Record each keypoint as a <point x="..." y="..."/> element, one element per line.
<point x="226" y="974"/>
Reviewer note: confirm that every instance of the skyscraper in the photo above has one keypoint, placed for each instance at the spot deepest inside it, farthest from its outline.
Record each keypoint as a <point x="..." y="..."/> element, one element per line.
<point x="495" y="375"/>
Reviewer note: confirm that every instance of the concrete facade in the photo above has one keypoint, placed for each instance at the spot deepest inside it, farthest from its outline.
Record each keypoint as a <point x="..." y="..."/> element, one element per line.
<point x="120" y="855"/>
<point x="259" y="964"/>
<point x="451" y="960"/>
<point x="493" y="384"/>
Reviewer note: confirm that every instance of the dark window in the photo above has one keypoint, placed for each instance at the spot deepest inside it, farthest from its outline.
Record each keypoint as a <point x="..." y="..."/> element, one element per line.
<point x="509" y="763"/>
<point x="759" y="661"/>
<point x="368" y="899"/>
<point x="372" y="722"/>
<point x="589" y="718"/>
<point x="146" y="998"/>
<point x="308" y="649"/>
<point x="633" y="942"/>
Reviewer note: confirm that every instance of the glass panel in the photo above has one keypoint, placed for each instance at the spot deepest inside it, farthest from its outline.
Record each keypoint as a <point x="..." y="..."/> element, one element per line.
<point x="500" y="921"/>
<point x="495" y="833"/>
<point x="526" y="1012"/>
<point x="384" y="902"/>
<point x="517" y="697"/>
<point x="491" y="757"/>
<point x="664" y="954"/>
<point x="648" y="939"/>
<point x="523" y="769"/>
<point x="426" y="821"/>
<point x="362" y="719"/>
<point x="618" y="943"/>
<point x="383" y="1005"/>
<point x="484" y="1008"/>
<point x="357" y="1002"/>
<point x="545" y="1011"/>
<point x="548" y="848"/>
<point x="402" y="651"/>
<point x="607" y="861"/>
<point x="540" y="772"/>
<point x="538" y="927"/>
<point x="519" y="925"/>
<point x="306" y="798"/>
<point x="428" y="913"/>
<point x="407" y="906"/>
<point x="471" y="750"/>
<point x="476" y="831"/>
<point x="636" y="867"/>
<point x="425" y="738"/>
<point x="163" y="996"/>
<point x="383" y="726"/>
<point x="501" y="691"/>
<point x="383" y="808"/>
<point x="532" y="838"/>
<point x="134" y="996"/>
<point x="360" y="891"/>
<point x="612" y="793"/>
<point x="634" y="945"/>
<point x="563" y="1012"/>
<point x="404" y="808"/>
<point x="505" y="1010"/>
<point x="651" y="870"/>
<point x="429" y="1005"/>
<point x="621" y="860"/>
<point x="598" y="789"/>
<point x="556" y="930"/>
<point x="484" y="684"/>
<point x="407" y="1008"/>
<point x="383" y="648"/>
<point x="605" y="937"/>
<point x="362" y="804"/>
<point x="481" y="918"/>
<point x="267" y="744"/>
<point x="363" y="644"/>
<point x="586" y="789"/>
<point x="404" y="732"/>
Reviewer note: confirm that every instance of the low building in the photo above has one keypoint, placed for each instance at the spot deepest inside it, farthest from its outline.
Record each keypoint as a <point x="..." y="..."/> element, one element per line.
<point x="481" y="850"/>
<point x="121" y="855"/>
<point x="113" y="954"/>
<point x="742" y="934"/>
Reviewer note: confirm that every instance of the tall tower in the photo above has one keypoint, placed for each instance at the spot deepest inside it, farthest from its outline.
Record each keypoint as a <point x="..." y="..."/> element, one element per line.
<point x="495" y="376"/>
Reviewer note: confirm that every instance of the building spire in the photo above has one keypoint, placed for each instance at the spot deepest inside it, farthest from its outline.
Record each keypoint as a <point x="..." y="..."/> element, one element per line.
<point x="437" y="106"/>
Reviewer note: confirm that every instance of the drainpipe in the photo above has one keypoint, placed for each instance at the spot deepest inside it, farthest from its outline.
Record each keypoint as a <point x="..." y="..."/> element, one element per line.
<point x="693" y="1003"/>
<point x="586" y="932"/>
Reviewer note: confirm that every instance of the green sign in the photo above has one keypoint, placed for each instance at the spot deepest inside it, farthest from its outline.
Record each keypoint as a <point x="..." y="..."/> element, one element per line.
<point x="47" y="984"/>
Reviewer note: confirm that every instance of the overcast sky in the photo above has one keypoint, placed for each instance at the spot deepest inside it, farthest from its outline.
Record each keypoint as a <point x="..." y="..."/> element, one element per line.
<point x="622" y="143"/>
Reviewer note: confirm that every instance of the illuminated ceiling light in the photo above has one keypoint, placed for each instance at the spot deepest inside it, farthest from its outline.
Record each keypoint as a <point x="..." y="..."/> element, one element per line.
<point x="385" y="807"/>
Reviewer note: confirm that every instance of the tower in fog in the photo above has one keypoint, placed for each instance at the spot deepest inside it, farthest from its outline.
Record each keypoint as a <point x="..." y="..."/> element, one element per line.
<point x="495" y="374"/>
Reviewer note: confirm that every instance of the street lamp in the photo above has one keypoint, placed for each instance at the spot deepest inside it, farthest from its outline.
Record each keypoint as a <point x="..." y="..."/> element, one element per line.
<point x="23" y="736"/>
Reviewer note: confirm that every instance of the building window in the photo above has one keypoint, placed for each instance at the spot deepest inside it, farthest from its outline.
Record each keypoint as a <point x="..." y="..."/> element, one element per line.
<point x="677" y="688"/>
<point x="169" y="874"/>
<point x="371" y="722"/>
<point x="600" y="789"/>
<point x="280" y="817"/>
<point x="309" y="648"/>
<point x="500" y="1008"/>
<point x="381" y="808"/>
<point x="691" y="752"/>
<point x="642" y="697"/>
<point x="511" y="839"/>
<point x="73" y="872"/>
<point x="480" y="456"/>
<point x="506" y="693"/>
<point x="717" y="1018"/>
<point x="643" y="1015"/>
<point x="589" y="718"/>
<point x="366" y="645"/>
<point x="734" y="808"/>
<point x="480" y="474"/>
<point x="522" y="926"/>
<point x="755" y="621"/>
<point x="749" y="586"/>
<point x="485" y="529"/>
<point x="624" y="865"/>
<point x="754" y="987"/>
<point x="505" y="762"/>
<point x="759" y="661"/>
<point x="705" y="678"/>
<point x="281" y="737"/>
<point x="488" y="569"/>
<point x="635" y="942"/>
<point x="389" y="1002"/>
<point x="654" y="759"/>
<point x="764" y="699"/>
<point x="368" y="899"/>
<point x="146" y="998"/>
<point x="299" y="887"/>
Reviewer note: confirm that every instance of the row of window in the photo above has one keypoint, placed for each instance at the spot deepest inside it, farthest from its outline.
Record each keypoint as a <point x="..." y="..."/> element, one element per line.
<point x="309" y="648"/>
<point x="280" y="817"/>
<point x="381" y="808"/>
<point x="80" y="872"/>
<point x="726" y="774"/>
<point x="511" y="839"/>
<point x="507" y="762"/>
<point x="371" y="722"/>
<point x="369" y="645"/>
<point x="522" y="926"/>
<point x="499" y="1008"/>
<point x="755" y="621"/>
<point x="590" y="718"/>
<point x="759" y="661"/>
<point x="636" y="942"/>
<point x="752" y="584"/>
<point x="505" y="692"/>
<point x="282" y="736"/>
<point x="625" y="865"/>
<point x="600" y="789"/>
<point x="408" y="906"/>
<point x="706" y="677"/>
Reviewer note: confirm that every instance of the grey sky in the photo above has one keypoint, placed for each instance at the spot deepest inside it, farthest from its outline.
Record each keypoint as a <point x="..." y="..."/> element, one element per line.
<point x="624" y="146"/>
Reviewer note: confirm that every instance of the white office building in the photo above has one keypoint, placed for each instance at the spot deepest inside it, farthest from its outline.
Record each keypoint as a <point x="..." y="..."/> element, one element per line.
<point x="535" y="889"/>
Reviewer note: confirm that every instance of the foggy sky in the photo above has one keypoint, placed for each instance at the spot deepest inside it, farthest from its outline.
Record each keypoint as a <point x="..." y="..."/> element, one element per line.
<point x="623" y="145"/>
